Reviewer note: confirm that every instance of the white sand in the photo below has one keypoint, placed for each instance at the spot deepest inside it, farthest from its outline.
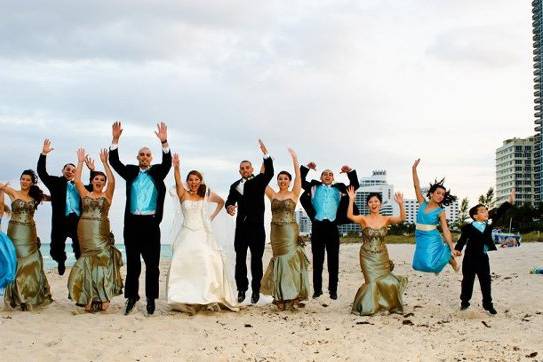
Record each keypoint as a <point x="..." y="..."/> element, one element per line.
<point x="432" y="327"/>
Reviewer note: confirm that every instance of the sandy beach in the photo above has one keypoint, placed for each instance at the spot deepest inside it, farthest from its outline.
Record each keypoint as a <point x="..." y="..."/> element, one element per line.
<point x="431" y="328"/>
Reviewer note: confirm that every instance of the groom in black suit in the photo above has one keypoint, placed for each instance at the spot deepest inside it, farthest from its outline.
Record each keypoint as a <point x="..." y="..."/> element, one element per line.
<point x="66" y="205"/>
<point x="247" y="196"/>
<point x="145" y="192"/>
<point x="325" y="203"/>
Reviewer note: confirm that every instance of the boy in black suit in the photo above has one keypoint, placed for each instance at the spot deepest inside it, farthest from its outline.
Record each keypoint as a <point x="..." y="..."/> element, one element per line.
<point x="477" y="237"/>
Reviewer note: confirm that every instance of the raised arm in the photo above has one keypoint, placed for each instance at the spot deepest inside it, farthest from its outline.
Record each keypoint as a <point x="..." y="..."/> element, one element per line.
<point x="304" y="170"/>
<point x="269" y="192"/>
<point x="1" y="204"/>
<point x="351" y="174"/>
<point x="359" y="219"/>
<point x="78" y="170"/>
<point x="104" y="155"/>
<point x="416" y="182"/>
<point x="179" y="188"/>
<point x="42" y="169"/>
<point x="398" y="219"/>
<point x="445" y="228"/>
<point x="297" y="187"/>
<point x="10" y="191"/>
<point x="118" y="166"/>
<point x="500" y="211"/>
<point x="268" y="163"/>
<point x="213" y="197"/>
<point x="162" y="134"/>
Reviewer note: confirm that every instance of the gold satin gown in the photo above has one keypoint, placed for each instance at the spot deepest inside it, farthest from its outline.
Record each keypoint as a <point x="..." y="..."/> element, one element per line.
<point x="381" y="290"/>
<point x="286" y="276"/>
<point x="96" y="274"/>
<point x="30" y="288"/>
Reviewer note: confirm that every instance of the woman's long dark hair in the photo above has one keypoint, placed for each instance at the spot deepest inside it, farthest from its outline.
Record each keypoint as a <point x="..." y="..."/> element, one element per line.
<point x="34" y="192"/>
<point x="202" y="188"/>
<point x="448" y="198"/>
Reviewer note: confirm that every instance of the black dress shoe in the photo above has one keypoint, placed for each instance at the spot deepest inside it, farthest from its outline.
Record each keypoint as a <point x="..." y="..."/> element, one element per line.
<point x="241" y="296"/>
<point x="333" y="295"/>
<point x="464" y="306"/>
<point x="130" y="303"/>
<point x="317" y="294"/>
<point x="61" y="268"/>
<point x="150" y="306"/>
<point x="255" y="297"/>
<point x="490" y="309"/>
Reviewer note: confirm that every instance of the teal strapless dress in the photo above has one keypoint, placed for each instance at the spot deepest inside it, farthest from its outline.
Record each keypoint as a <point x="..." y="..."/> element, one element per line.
<point x="8" y="260"/>
<point x="431" y="252"/>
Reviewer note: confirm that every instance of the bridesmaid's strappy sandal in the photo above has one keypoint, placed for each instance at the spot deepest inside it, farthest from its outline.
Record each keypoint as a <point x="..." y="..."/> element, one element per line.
<point x="96" y="306"/>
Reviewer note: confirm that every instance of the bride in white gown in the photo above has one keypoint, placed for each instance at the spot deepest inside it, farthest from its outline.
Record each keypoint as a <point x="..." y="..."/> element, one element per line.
<point x="197" y="278"/>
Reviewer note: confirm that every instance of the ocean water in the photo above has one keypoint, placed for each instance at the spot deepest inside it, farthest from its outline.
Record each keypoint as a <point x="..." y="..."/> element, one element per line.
<point x="49" y="263"/>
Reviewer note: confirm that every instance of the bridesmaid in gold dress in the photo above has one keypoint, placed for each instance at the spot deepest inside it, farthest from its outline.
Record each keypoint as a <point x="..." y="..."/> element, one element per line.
<point x="381" y="290"/>
<point x="95" y="278"/>
<point x="286" y="276"/>
<point x="30" y="288"/>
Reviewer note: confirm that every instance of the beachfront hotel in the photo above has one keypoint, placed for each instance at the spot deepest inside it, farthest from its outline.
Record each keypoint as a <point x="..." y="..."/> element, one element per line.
<point x="537" y="24"/>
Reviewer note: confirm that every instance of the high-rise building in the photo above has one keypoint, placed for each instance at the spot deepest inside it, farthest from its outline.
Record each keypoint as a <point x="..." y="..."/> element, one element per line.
<point x="515" y="169"/>
<point x="537" y="24"/>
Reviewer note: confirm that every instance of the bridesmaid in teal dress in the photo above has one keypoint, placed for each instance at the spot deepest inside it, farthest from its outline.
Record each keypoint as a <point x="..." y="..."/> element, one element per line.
<point x="431" y="252"/>
<point x="286" y="277"/>
<point x="8" y="257"/>
<point x="30" y="288"/>
<point x="382" y="290"/>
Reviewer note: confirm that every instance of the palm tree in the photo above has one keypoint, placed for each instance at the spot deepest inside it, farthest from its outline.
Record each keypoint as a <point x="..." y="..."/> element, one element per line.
<point x="488" y="199"/>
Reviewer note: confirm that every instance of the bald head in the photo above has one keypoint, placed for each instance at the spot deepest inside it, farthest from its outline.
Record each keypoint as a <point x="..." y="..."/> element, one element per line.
<point x="145" y="157"/>
<point x="327" y="177"/>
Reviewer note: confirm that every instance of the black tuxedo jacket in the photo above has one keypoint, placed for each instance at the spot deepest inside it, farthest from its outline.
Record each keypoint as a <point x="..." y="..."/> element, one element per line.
<point x="310" y="186"/>
<point x="57" y="188"/>
<point x="474" y="240"/>
<point x="251" y="203"/>
<point x="157" y="172"/>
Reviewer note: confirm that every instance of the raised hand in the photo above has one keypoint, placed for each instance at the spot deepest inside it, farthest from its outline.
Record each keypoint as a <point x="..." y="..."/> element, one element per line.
<point x="46" y="147"/>
<point x="416" y="163"/>
<point x="351" y="192"/>
<point x="398" y="197"/>
<point x="231" y="210"/>
<point x="456" y="252"/>
<point x="176" y="159"/>
<point x="345" y="169"/>
<point x="312" y="166"/>
<point x="262" y="147"/>
<point x="162" y="132"/>
<point x="292" y="153"/>
<point x="512" y="196"/>
<point x="81" y="155"/>
<point x="90" y="163"/>
<point x="104" y="155"/>
<point x="116" y="131"/>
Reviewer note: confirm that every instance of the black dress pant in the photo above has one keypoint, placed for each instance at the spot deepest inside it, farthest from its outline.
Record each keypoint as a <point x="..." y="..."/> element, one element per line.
<point x="65" y="228"/>
<point x="325" y="238"/>
<point x="480" y="266"/>
<point x="250" y="236"/>
<point x="142" y="239"/>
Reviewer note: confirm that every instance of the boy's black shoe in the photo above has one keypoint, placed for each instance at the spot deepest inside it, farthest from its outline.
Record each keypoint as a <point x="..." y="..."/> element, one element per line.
<point x="316" y="294"/>
<point x="490" y="309"/>
<point x="61" y="268"/>
<point x="464" y="305"/>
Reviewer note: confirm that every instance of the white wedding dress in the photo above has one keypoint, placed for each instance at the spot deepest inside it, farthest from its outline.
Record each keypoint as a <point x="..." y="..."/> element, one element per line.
<point x="198" y="277"/>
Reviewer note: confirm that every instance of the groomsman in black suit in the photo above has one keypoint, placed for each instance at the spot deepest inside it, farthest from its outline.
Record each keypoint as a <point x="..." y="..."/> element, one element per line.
<point x="325" y="203"/>
<point x="145" y="192"/>
<point x="246" y="196"/>
<point x="66" y="205"/>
